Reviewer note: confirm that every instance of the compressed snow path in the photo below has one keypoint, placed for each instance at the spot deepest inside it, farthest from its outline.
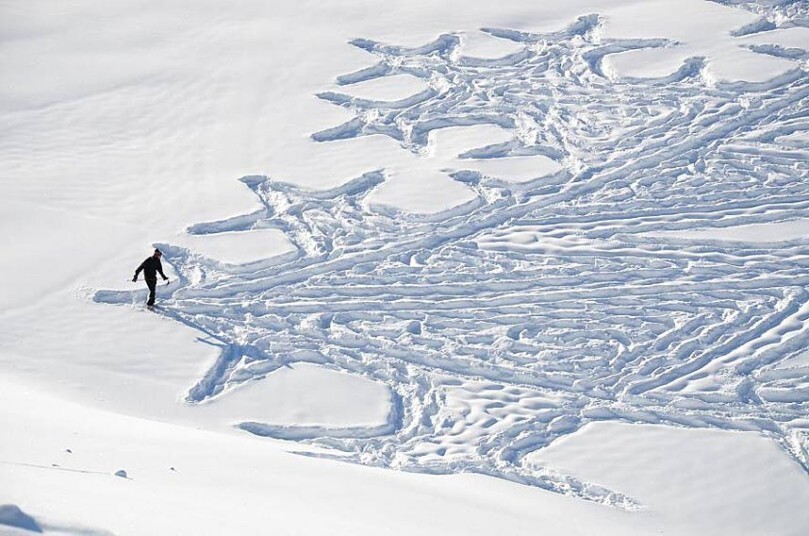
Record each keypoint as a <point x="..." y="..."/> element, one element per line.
<point x="530" y="308"/>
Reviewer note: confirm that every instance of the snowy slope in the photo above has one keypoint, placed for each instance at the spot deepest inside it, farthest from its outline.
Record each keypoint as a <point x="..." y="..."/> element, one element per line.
<point x="442" y="238"/>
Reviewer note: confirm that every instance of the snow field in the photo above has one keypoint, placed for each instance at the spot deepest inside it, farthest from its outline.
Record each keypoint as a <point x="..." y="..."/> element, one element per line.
<point x="59" y="467"/>
<point x="476" y="214"/>
<point x="549" y="288"/>
<point x="710" y="465"/>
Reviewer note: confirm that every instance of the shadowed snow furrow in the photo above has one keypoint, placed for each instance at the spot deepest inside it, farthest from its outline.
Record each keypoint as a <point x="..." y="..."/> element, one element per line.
<point x="513" y="322"/>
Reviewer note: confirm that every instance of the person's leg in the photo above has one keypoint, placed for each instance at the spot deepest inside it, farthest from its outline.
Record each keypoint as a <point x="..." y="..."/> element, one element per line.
<point x="151" y="283"/>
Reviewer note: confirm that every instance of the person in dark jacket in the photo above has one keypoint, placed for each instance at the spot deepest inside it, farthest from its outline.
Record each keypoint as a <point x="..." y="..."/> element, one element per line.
<point x="151" y="267"/>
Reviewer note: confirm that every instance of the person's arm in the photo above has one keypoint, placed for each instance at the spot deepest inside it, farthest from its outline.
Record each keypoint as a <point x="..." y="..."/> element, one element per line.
<point x="138" y="271"/>
<point x="160" y="270"/>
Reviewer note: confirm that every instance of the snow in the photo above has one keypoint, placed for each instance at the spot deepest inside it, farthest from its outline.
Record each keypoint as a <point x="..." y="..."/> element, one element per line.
<point x="38" y="243"/>
<point x="517" y="168"/>
<point x="801" y="360"/>
<point x="691" y="476"/>
<point x="448" y="143"/>
<point x="330" y="165"/>
<point x="389" y="88"/>
<point x="795" y="139"/>
<point x="420" y="189"/>
<point x="484" y="45"/>
<point x="794" y="39"/>
<point x="183" y="480"/>
<point x="699" y="29"/>
<point x="12" y="516"/>
<point x="420" y="184"/>
<point x="436" y="267"/>
<point x="305" y="395"/>
<point x="240" y="247"/>
<point x="644" y="63"/>
<point x="755" y="233"/>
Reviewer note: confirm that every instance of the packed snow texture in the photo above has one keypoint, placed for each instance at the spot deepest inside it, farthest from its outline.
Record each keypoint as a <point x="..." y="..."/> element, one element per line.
<point x="507" y="309"/>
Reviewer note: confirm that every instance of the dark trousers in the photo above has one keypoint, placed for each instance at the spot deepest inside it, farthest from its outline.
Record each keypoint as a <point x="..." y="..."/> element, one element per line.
<point x="151" y="283"/>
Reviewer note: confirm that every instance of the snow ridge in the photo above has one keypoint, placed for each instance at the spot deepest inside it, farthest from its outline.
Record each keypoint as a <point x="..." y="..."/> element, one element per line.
<point x="504" y="324"/>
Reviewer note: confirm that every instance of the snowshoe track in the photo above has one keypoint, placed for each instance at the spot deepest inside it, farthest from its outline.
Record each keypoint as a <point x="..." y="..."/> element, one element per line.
<point x="508" y="323"/>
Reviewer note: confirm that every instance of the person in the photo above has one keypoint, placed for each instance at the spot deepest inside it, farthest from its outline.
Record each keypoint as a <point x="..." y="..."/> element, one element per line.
<point x="151" y="267"/>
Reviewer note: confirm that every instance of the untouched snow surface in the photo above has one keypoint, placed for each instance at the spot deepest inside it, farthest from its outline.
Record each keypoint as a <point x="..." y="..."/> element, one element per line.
<point x="553" y="252"/>
<point x="688" y="476"/>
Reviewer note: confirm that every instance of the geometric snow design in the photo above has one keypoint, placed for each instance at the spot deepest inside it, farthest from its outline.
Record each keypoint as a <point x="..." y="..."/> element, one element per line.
<point x="515" y="320"/>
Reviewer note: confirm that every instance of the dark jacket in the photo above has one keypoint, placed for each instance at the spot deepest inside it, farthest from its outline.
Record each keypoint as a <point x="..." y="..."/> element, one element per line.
<point x="151" y="267"/>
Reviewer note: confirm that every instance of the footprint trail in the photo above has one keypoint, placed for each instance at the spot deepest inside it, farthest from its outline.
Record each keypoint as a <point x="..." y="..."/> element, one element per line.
<point x="505" y="324"/>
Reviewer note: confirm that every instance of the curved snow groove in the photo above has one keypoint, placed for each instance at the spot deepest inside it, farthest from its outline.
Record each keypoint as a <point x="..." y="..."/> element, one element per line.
<point x="549" y="304"/>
